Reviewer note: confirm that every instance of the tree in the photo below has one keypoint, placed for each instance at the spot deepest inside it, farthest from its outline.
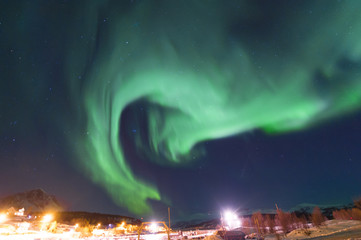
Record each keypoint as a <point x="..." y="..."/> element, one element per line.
<point x="304" y="225"/>
<point x="357" y="203"/>
<point x="270" y="223"/>
<point x="317" y="217"/>
<point x="356" y="214"/>
<point x="284" y="219"/>
<point x="246" y="223"/>
<point x="342" y="214"/>
<point x="258" y="221"/>
<point x="295" y="221"/>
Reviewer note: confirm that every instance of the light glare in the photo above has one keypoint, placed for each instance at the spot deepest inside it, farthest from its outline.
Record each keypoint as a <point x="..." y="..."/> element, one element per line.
<point x="47" y="218"/>
<point x="230" y="220"/>
<point x="153" y="227"/>
<point x="3" y="217"/>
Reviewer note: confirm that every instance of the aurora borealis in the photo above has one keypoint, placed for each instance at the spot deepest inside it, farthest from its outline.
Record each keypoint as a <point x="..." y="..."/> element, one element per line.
<point x="151" y="83"/>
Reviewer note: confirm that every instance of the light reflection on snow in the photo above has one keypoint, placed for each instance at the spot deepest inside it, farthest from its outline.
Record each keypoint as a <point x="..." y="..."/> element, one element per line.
<point x="24" y="231"/>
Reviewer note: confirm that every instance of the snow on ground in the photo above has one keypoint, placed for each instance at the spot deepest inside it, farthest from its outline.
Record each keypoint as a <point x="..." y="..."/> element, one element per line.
<point x="213" y="237"/>
<point x="332" y="230"/>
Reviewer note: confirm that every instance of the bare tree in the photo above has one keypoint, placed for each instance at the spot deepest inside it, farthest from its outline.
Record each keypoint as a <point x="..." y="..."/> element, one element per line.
<point x="295" y="222"/>
<point x="317" y="217"/>
<point x="284" y="219"/>
<point x="304" y="225"/>
<point x="356" y="214"/>
<point x="259" y="223"/>
<point x="270" y="223"/>
<point x="342" y="214"/>
<point x="247" y="223"/>
<point x="357" y="203"/>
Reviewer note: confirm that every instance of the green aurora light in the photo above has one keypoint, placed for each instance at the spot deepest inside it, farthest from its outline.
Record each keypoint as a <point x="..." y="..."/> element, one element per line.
<point x="206" y="78"/>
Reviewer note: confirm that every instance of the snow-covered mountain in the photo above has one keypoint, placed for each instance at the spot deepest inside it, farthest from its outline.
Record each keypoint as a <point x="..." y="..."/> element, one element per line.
<point x="36" y="200"/>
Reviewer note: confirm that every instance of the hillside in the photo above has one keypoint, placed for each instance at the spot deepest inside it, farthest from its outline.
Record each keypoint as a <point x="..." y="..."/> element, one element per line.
<point x="36" y="200"/>
<point x="94" y="218"/>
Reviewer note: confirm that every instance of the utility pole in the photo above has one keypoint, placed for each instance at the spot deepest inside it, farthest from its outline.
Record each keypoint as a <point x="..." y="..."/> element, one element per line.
<point x="169" y="217"/>
<point x="168" y="223"/>
<point x="140" y="230"/>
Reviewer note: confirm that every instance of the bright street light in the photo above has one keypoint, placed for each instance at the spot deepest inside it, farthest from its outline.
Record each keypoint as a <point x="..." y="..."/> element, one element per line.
<point x="47" y="218"/>
<point x="3" y="217"/>
<point x="153" y="227"/>
<point x="231" y="220"/>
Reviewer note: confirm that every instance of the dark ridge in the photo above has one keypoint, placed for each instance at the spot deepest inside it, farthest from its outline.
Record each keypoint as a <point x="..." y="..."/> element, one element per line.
<point x="94" y="218"/>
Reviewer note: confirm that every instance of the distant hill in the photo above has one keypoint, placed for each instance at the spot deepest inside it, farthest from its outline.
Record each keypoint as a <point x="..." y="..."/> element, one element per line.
<point x="94" y="218"/>
<point x="307" y="209"/>
<point x="190" y="225"/>
<point x="301" y="209"/>
<point x="36" y="200"/>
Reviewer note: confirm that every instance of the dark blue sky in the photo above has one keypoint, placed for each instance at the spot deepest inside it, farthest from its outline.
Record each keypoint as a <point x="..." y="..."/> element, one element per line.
<point x="319" y="165"/>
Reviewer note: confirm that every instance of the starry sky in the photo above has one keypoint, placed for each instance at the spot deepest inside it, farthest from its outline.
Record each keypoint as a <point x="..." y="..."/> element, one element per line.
<point x="128" y="107"/>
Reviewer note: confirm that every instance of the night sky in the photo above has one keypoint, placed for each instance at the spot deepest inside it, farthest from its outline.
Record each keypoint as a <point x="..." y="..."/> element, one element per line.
<point x="128" y="107"/>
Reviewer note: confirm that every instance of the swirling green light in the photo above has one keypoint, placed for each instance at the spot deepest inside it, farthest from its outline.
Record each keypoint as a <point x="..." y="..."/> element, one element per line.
<point x="207" y="83"/>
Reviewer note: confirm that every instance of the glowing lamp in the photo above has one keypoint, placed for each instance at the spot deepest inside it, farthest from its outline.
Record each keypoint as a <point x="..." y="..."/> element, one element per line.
<point x="48" y="218"/>
<point x="153" y="227"/>
<point x="3" y="217"/>
<point x="231" y="220"/>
